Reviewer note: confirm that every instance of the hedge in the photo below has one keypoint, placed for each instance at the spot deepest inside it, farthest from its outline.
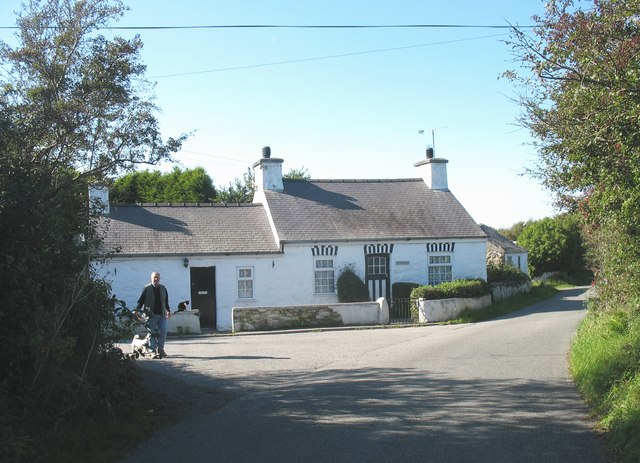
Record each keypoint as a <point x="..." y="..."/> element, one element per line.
<point x="505" y="274"/>
<point x="453" y="289"/>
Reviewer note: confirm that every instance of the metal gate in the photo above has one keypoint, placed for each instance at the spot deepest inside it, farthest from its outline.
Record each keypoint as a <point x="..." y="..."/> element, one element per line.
<point x="403" y="311"/>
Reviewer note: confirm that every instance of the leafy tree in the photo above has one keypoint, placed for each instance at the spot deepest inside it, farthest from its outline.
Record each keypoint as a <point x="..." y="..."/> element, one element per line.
<point x="241" y="190"/>
<point x="297" y="174"/>
<point x="238" y="191"/>
<point x="554" y="245"/>
<point x="178" y="186"/>
<point x="514" y="231"/>
<point x="581" y="102"/>
<point x="73" y="109"/>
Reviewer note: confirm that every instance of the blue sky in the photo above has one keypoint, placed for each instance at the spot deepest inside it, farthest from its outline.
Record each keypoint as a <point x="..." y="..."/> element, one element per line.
<point x="344" y="103"/>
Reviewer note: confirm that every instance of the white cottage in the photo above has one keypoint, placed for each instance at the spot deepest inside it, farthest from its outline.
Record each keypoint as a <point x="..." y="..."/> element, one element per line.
<point x="289" y="246"/>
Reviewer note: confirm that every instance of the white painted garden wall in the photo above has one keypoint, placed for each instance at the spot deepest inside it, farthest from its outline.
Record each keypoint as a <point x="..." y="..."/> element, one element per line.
<point x="280" y="279"/>
<point x="310" y="316"/>
<point x="442" y="310"/>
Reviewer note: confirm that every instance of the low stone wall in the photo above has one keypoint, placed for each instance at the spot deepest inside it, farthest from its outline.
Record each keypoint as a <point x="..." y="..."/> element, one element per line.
<point x="309" y="316"/>
<point x="185" y="322"/>
<point x="441" y="310"/>
<point x="502" y="291"/>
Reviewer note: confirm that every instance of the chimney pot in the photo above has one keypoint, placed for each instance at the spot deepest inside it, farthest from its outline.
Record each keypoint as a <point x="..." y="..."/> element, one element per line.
<point x="266" y="152"/>
<point x="429" y="153"/>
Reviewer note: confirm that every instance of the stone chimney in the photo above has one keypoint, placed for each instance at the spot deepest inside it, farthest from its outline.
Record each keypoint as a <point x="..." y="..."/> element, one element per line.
<point x="433" y="171"/>
<point x="268" y="174"/>
<point x="99" y="199"/>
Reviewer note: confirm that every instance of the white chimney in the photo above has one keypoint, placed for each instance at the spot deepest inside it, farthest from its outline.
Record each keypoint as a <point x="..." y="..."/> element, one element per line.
<point x="433" y="171"/>
<point x="268" y="174"/>
<point x="99" y="199"/>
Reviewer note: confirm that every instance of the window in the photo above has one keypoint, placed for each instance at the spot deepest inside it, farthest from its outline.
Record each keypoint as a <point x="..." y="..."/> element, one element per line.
<point x="439" y="269"/>
<point x="245" y="282"/>
<point x="324" y="276"/>
<point x="377" y="265"/>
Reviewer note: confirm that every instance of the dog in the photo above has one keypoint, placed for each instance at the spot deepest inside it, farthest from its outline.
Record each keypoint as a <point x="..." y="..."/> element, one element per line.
<point x="140" y="346"/>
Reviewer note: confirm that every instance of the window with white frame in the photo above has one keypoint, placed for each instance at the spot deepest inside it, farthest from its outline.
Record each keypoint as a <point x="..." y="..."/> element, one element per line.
<point x="324" y="274"/>
<point x="245" y="282"/>
<point x="439" y="269"/>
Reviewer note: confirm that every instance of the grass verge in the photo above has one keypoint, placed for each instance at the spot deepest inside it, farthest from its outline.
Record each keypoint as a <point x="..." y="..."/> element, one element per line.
<point x="605" y="364"/>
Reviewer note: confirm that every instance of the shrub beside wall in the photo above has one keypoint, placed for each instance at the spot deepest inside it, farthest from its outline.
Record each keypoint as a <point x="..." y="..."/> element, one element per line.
<point x="455" y="289"/>
<point x="506" y="274"/>
<point x="350" y="287"/>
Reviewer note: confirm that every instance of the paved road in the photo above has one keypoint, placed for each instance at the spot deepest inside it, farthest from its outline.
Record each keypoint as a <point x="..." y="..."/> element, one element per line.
<point x="495" y="391"/>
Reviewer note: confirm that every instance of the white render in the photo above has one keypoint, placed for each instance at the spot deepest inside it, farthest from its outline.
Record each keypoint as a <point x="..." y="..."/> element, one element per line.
<point x="519" y="260"/>
<point x="99" y="198"/>
<point x="442" y="310"/>
<point x="434" y="173"/>
<point x="282" y="279"/>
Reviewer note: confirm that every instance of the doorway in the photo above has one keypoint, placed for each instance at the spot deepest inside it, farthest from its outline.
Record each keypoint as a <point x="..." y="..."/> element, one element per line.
<point x="203" y="294"/>
<point x="377" y="276"/>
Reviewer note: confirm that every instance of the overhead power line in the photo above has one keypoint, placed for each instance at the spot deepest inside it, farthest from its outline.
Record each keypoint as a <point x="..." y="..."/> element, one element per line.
<point x="314" y="26"/>
<point x="316" y="58"/>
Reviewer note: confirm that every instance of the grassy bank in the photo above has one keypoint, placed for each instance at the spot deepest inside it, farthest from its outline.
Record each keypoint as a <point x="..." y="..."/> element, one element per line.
<point x="605" y="363"/>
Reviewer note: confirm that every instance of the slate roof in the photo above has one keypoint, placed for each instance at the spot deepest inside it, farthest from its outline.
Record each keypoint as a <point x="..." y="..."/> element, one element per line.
<point x="495" y="238"/>
<point x="343" y="210"/>
<point x="189" y="229"/>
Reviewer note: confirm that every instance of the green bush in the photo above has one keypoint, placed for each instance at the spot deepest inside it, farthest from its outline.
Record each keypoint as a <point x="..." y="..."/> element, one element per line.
<point x="453" y="289"/>
<point x="505" y="274"/>
<point x="350" y="287"/>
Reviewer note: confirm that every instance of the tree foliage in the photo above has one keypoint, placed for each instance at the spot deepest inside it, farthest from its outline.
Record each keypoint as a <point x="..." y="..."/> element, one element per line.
<point x="581" y="102"/>
<point x="554" y="245"/>
<point x="241" y="189"/>
<point x="514" y="231"/>
<point x="297" y="174"/>
<point x="238" y="191"/>
<point x="178" y="186"/>
<point x="73" y="109"/>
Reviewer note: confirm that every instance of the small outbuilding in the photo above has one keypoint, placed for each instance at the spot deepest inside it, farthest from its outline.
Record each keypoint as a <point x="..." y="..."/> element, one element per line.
<point x="501" y="250"/>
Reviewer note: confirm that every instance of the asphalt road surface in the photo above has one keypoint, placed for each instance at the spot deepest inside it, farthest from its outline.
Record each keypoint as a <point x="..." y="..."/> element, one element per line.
<point x="496" y="391"/>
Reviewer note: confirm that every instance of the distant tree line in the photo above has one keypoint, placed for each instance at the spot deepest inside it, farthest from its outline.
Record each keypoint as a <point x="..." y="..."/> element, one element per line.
<point x="554" y="244"/>
<point x="186" y="186"/>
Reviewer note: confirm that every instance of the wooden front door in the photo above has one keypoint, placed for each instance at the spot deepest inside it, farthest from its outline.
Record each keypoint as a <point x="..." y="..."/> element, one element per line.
<point x="203" y="294"/>
<point x="377" y="276"/>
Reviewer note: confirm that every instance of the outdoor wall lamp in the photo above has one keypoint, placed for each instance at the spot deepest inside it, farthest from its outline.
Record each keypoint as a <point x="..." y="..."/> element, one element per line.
<point x="185" y="262"/>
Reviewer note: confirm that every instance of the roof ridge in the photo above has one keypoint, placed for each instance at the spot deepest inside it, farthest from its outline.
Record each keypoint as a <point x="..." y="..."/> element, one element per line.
<point x="185" y="205"/>
<point x="355" y="180"/>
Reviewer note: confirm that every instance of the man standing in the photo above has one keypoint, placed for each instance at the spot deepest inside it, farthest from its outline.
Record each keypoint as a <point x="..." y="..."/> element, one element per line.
<point x="155" y="298"/>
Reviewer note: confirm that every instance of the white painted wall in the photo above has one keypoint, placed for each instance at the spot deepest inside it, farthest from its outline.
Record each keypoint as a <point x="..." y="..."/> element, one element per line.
<point x="280" y="279"/>
<point x="524" y="262"/>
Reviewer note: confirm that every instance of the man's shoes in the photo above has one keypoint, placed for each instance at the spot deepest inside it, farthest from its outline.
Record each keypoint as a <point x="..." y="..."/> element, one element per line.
<point x="156" y="356"/>
<point x="162" y="353"/>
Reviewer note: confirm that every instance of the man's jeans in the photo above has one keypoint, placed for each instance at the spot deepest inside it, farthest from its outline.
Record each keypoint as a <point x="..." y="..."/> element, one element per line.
<point x="158" y="326"/>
